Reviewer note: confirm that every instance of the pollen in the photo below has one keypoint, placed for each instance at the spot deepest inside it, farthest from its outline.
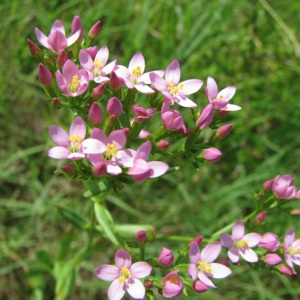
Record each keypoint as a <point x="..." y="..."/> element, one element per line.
<point x="174" y="89"/>
<point x="73" y="87"/>
<point x="124" y="274"/>
<point x="204" y="266"/>
<point x="97" y="66"/>
<point x="75" y="144"/>
<point x="137" y="71"/>
<point x="111" y="150"/>
<point x="174" y="279"/>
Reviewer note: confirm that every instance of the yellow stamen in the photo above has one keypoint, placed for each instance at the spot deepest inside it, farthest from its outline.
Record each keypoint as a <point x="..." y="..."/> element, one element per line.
<point x="137" y="71"/>
<point x="97" y="66"/>
<point x="218" y="98"/>
<point x="241" y="244"/>
<point x="174" y="279"/>
<point x="174" y="89"/>
<point x="76" y="141"/>
<point x="204" y="267"/>
<point x="293" y="251"/>
<point x="73" y="87"/>
<point x="111" y="150"/>
<point x="124" y="274"/>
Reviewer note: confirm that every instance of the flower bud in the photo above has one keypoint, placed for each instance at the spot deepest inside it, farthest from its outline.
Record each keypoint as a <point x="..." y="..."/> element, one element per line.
<point x="269" y="241"/>
<point x="141" y="236"/>
<point x="285" y="271"/>
<point x="165" y="257"/>
<point x="114" y="81"/>
<point x="148" y="284"/>
<point x="100" y="169"/>
<point x="68" y="168"/>
<point x="206" y="116"/>
<point x="77" y="26"/>
<point x="114" y="107"/>
<point x="163" y="145"/>
<point x="199" y="286"/>
<point x="224" y="130"/>
<point x="197" y="239"/>
<point x="44" y="75"/>
<point x="95" y="113"/>
<point x="55" y="101"/>
<point x="212" y="155"/>
<point x="295" y="212"/>
<point x="268" y="184"/>
<point x="261" y="217"/>
<point x="143" y="134"/>
<point x="62" y="57"/>
<point x="98" y="91"/>
<point x="34" y="48"/>
<point x="94" y="31"/>
<point x="272" y="259"/>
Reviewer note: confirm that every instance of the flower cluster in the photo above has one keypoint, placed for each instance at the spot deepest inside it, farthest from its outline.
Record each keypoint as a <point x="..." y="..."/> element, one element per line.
<point x="201" y="269"/>
<point x="105" y="98"/>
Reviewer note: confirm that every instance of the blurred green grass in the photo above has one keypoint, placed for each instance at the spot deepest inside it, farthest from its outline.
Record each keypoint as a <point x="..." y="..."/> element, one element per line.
<point x="240" y="43"/>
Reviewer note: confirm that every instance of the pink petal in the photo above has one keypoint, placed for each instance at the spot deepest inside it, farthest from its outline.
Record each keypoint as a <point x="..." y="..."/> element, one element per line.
<point x="102" y="55"/>
<point x="140" y="269"/>
<point x="238" y="230"/>
<point x="125" y="157"/>
<point x="145" y="89"/>
<point x="118" y="137"/>
<point x="192" y="270"/>
<point x="57" y="41"/>
<point x="211" y="252"/>
<point x="122" y="258"/>
<point x="140" y="167"/>
<point x="184" y="101"/>
<point x="146" y="76"/>
<point x="73" y="38"/>
<point x="109" y="67"/>
<point x="58" y="25"/>
<point x="249" y="255"/>
<point x="289" y="238"/>
<point x="86" y="60"/>
<point x="58" y="152"/>
<point x="116" y="290"/>
<point x="137" y="60"/>
<point x="107" y="272"/>
<point x="158" y="168"/>
<point x="143" y="151"/>
<point x="59" y="136"/>
<point x="136" y="289"/>
<point x="99" y="135"/>
<point x="227" y="240"/>
<point x="76" y="155"/>
<point x="173" y="72"/>
<point x="232" y="107"/>
<point x="93" y="146"/>
<point x="61" y="82"/>
<point x="211" y="89"/>
<point x="206" y="280"/>
<point x="113" y="168"/>
<point x="194" y="253"/>
<point x="219" y="270"/>
<point x="233" y="254"/>
<point x="253" y="239"/>
<point x="191" y="86"/>
<point x="158" y="82"/>
<point x="227" y="93"/>
<point x="78" y="127"/>
<point x="42" y="38"/>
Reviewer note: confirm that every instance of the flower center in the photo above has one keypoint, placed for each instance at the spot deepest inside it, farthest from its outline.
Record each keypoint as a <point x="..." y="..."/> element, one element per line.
<point x="204" y="266"/>
<point x="111" y="150"/>
<point x="174" y="89"/>
<point x="293" y="251"/>
<point x="135" y="74"/>
<point x="241" y="245"/>
<point x="97" y="67"/>
<point x="73" y="87"/>
<point x="174" y="279"/>
<point x="124" y="274"/>
<point x="218" y="98"/>
<point x="75" y="144"/>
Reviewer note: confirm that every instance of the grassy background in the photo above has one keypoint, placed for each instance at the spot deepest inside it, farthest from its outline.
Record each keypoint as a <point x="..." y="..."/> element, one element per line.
<point x="249" y="44"/>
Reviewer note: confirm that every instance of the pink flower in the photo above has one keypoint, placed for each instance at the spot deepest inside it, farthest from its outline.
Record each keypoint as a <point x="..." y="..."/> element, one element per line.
<point x="220" y="99"/>
<point x="166" y="258"/>
<point x="291" y="248"/>
<point x="73" y="145"/>
<point x="141" y="169"/>
<point x="57" y="41"/>
<point x="172" y="285"/>
<point x="142" y="114"/>
<point x="282" y="187"/>
<point x="110" y="152"/>
<point x="202" y="266"/>
<point x="269" y="241"/>
<point x="174" y="90"/>
<point x="96" y="66"/>
<point x="240" y="244"/>
<point x="272" y="259"/>
<point x="72" y="81"/>
<point x="124" y="276"/>
<point x="134" y="76"/>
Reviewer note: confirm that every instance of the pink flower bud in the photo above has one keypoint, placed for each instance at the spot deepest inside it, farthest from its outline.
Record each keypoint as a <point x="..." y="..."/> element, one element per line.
<point x="148" y="284"/>
<point x="199" y="286"/>
<point x="269" y="241"/>
<point x="224" y="130"/>
<point x="163" y="145"/>
<point x="212" y="155"/>
<point x="94" y="31"/>
<point x="114" y="81"/>
<point x="77" y="26"/>
<point x="206" y="116"/>
<point x="295" y="212"/>
<point x="45" y="75"/>
<point x="98" y="91"/>
<point x="165" y="258"/>
<point x="68" y="168"/>
<point x="34" y="48"/>
<point x="285" y="271"/>
<point x="55" y="101"/>
<point x="141" y="236"/>
<point x="125" y="130"/>
<point x="272" y="259"/>
<point x="197" y="239"/>
<point x="261" y="217"/>
<point x="143" y="134"/>
<point x="100" y="169"/>
<point x="95" y="113"/>
<point x="114" y="107"/>
<point x="62" y="57"/>
<point x="172" y="285"/>
<point x="268" y="184"/>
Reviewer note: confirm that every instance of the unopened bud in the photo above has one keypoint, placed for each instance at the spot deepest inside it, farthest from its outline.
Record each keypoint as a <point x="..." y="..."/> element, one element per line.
<point x="148" y="284"/>
<point x="98" y="91"/>
<point x="199" y="286"/>
<point x="68" y="168"/>
<point x="224" y="130"/>
<point x="197" y="239"/>
<point x="95" y="113"/>
<point x="268" y="184"/>
<point x="272" y="259"/>
<point x="55" y="101"/>
<point x="34" y="48"/>
<point x="285" y="271"/>
<point x="261" y="217"/>
<point x="166" y="258"/>
<point x="212" y="155"/>
<point x="94" y="31"/>
<point x="163" y="145"/>
<point x="61" y="58"/>
<point x="100" y="169"/>
<point x="114" y="81"/>
<point x="206" y="116"/>
<point x="114" y="107"/>
<point x="141" y="236"/>
<point x="77" y="26"/>
<point x="44" y="75"/>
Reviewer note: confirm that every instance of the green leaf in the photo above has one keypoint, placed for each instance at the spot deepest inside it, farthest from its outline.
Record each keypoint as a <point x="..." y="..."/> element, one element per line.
<point x="99" y="188"/>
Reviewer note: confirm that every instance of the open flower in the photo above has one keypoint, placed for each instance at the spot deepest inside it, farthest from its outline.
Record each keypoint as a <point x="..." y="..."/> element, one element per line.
<point x="282" y="187"/>
<point x="220" y="99"/>
<point x="124" y="276"/>
<point x="240" y="244"/>
<point x="73" y="145"/>
<point x="57" y="41"/>
<point x="172" y="285"/>
<point x="202" y="265"/>
<point x="172" y="89"/>
<point x="291" y="248"/>
<point x="134" y="76"/>
<point x="72" y="81"/>
<point x="96" y="66"/>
